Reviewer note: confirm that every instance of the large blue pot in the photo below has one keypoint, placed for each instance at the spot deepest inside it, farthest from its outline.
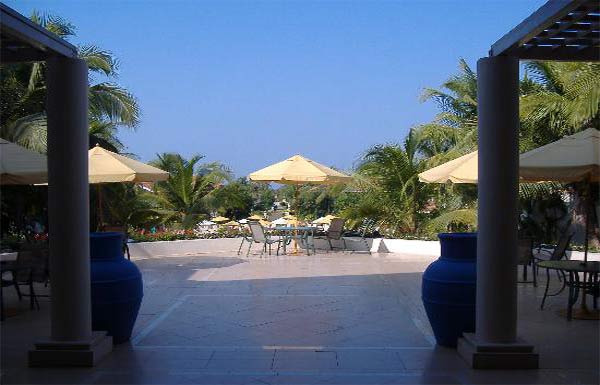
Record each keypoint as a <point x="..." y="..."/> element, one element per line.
<point x="449" y="286"/>
<point x="117" y="287"/>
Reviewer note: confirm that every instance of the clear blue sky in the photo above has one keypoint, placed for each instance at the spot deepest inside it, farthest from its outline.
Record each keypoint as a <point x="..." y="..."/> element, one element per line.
<point x="251" y="83"/>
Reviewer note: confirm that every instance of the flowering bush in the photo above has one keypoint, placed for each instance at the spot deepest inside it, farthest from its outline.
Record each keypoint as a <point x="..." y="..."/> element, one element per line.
<point x="177" y="235"/>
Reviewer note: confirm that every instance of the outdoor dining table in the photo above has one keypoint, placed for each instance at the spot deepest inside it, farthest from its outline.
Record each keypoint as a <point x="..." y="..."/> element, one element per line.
<point x="589" y="284"/>
<point x="303" y="233"/>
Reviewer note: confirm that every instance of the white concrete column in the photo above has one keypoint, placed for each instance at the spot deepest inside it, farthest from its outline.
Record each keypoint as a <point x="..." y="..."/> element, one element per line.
<point x="68" y="199"/>
<point x="498" y="125"/>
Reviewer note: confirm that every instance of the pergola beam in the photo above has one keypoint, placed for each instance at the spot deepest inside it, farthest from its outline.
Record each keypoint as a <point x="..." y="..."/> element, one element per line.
<point x="19" y="28"/>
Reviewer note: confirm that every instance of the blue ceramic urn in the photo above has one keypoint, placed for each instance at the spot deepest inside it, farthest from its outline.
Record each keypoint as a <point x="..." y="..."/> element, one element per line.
<point x="449" y="286"/>
<point x="117" y="287"/>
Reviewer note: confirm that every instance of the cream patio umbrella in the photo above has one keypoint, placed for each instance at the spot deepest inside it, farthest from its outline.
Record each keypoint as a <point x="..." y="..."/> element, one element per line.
<point x="220" y="219"/>
<point x="459" y="170"/>
<point x="574" y="158"/>
<point x="19" y="165"/>
<point x="108" y="167"/>
<point x="298" y="171"/>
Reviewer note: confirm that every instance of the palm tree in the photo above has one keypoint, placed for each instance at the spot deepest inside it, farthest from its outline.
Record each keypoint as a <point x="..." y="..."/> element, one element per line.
<point x="183" y="197"/>
<point x="560" y="99"/>
<point x="453" y="132"/>
<point x="391" y="192"/>
<point x="23" y="87"/>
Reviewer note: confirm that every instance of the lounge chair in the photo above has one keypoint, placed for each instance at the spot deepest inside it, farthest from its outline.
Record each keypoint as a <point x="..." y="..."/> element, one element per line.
<point x="259" y="236"/>
<point x="335" y="232"/>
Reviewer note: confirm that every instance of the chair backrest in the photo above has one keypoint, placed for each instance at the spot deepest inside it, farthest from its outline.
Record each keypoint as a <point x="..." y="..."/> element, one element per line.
<point x="525" y="250"/>
<point x="366" y="227"/>
<point x="561" y="247"/>
<point x="37" y="261"/>
<point x="257" y="231"/>
<point x="336" y="228"/>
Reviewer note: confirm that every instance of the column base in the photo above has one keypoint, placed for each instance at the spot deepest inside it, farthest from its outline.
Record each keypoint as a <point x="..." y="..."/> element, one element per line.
<point x="48" y="353"/>
<point x="518" y="355"/>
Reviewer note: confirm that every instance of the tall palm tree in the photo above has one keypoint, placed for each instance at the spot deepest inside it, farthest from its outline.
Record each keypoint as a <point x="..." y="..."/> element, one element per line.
<point x="391" y="192"/>
<point x="23" y="86"/>
<point x="561" y="99"/>
<point x="183" y="195"/>
<point x="453" y="132"/>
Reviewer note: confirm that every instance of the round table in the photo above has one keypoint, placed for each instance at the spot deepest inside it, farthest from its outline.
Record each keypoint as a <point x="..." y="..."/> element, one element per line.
<point x="589" y="269"/>
<point x="306" y="234"/>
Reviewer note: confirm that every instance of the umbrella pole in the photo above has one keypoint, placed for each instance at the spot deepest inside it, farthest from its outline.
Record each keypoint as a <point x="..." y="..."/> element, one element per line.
<point x="100" y="216"/>
<point x="297" y="205"/>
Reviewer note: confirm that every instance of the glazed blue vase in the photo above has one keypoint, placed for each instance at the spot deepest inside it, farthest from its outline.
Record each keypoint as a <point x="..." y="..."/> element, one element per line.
<point x="117" y="287"/>
<point x="449" y="286"/>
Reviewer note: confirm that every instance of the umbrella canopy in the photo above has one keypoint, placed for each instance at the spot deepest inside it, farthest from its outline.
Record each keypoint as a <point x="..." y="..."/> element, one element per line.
<point x="231" y="223"/>
<point x="299" y="170"/>
<point x="220" y="219"/>
<point x="573" y="158"/>
<point x="19" y="165"/>
<point x="459" y="170"/>
<point x="108" y="167"/>
<point x="324" y="220"/>
<point x="255" y="217"/>
<point x="280" y="221"/>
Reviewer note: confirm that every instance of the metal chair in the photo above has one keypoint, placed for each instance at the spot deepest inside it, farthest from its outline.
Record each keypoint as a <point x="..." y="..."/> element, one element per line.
<point x="557" y="253"/>
<point x="259" y="236"/>
<point x="245" y="238"/>
<point x="525" y="258"/>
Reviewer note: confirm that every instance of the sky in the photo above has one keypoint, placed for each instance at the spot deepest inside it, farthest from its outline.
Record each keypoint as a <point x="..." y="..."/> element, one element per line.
<point x="251" y="83"/>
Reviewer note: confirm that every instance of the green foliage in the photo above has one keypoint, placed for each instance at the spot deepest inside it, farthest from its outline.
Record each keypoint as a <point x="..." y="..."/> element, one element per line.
<point x="183" y="197"/>
<point x="23" y="89"/>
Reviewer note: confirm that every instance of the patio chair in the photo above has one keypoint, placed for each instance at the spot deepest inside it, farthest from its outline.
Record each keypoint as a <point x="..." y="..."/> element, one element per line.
<point x="335" y="232"/>
<point x="7" y="279"/>
<point x="37" y="262"/>
<point x="557" y="253"/>
<point x="366" y="228"/>
<point x="245" y="238"/>
<point x="258" y="235"/>
<point x="122" y="230"/>
<point x="525" y="258"/>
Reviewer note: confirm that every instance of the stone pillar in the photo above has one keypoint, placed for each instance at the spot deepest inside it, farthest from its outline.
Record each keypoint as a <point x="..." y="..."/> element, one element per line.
<point x="71" y="342"/>
<point x="495" y="343"/>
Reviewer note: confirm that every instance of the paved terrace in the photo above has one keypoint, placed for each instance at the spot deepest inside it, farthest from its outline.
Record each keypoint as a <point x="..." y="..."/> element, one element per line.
<point x="335" y="318"/>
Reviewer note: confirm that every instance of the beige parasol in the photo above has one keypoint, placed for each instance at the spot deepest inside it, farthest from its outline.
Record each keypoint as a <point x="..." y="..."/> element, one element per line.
<point x="459" y="170"/>
<point x="298" y="171"/>
<point x="19" y="165"/>
<point x="573" y="158"/>
<point x="109" y="167"/>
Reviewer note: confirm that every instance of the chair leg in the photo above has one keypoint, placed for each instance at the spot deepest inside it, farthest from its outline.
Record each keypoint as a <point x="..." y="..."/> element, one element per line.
<point x="330" y="244"/>
<point x="33" y="301"/>
<point x="534" y="273"/>
<point x="1" y="303"/>
<point x="240" y="248"/>
<point x="16" y="285"/>
<point x="546" y="291"/>
<point x="249" y="247"/>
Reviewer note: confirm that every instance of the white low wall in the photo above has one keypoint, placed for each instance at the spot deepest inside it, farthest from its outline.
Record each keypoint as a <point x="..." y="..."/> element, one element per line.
<point x="231" y="245"/>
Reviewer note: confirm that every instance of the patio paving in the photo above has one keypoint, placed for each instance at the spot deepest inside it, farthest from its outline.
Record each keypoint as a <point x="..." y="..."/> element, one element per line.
<point x="336" y="318"/>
